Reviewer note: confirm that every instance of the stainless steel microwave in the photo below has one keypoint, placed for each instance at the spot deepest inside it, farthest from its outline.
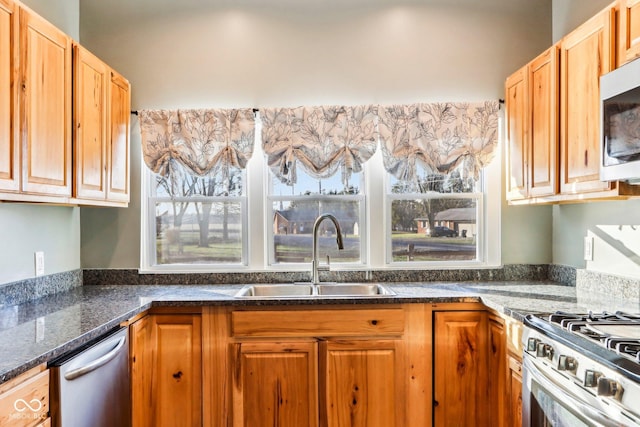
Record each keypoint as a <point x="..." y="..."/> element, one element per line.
<point x="620" y="126"/>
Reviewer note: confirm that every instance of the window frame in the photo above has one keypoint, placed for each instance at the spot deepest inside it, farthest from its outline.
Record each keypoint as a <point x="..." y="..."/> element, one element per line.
<point x="148" y="257"/>
<point x="257" y="221"/>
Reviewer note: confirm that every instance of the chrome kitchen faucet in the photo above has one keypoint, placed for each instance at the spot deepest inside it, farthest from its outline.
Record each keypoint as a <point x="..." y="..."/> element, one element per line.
<point x="315" y="262"/>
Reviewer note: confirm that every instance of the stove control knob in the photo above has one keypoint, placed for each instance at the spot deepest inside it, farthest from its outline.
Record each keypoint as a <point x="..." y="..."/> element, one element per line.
<point x="591" y="378"/>
<point x="567" y="363"/>
<point x="544" y="350"/>
<point x="607" y="387"/>
<point x="532" y="345"/>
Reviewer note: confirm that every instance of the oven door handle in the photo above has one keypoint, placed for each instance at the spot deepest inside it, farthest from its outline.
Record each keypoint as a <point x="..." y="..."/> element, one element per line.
<point x="564" y="395"/>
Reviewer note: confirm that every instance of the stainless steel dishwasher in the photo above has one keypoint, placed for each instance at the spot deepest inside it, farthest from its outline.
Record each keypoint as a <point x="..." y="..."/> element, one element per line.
<point x="91" y="388"/>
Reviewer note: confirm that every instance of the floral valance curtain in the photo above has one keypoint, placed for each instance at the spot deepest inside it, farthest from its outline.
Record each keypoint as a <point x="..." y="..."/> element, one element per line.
<point x="438" y="136"/>
<point x="202" y="142"/>
<point x="321" y="139"/>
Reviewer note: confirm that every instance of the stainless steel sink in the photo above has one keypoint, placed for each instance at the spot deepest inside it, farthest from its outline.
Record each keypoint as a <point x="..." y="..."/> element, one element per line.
<point x="354" y="289"/>
<point x="307" y="290"/>
<point x="276" y="291"/>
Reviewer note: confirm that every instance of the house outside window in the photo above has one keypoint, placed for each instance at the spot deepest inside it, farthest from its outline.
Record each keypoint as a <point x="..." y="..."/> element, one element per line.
<point x="293" y="217"/>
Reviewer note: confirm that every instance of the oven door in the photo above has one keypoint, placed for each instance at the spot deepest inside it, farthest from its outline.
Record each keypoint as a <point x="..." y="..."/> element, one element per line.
<point x="548" y="402"/>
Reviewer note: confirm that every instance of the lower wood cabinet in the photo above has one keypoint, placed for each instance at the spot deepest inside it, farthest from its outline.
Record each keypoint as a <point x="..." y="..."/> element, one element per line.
<point x="514" y="391"/>
<point x="166" y="370"/>
<point x="362" y="383"/>
<point x="317" y="366"/>
<point x="362" y="366"/>
<point x="469" y="369"/>
<point x="275" y="384"/>
<point x="24" y="400"/>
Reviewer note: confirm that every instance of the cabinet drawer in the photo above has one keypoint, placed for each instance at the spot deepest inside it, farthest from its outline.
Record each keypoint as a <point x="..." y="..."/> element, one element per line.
<point x="315" y="323"/>
<point x="27" y="403"/>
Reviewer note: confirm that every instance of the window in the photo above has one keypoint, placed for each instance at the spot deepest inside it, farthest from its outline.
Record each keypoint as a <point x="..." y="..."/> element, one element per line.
<point x="437" y="219"/>
<point x="198" y="220"/>
<point x="293" y="210"/>
<point x="246" y="219"/>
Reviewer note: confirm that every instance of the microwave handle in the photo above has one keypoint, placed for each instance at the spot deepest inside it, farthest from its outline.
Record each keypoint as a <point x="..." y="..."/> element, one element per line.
<point x="559" y="393"/>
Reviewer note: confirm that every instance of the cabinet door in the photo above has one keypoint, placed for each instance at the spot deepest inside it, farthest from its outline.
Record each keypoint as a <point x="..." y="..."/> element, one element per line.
<point x="90" y="124"/>
<point x="118" y="139"/>
<point x="514" y="392"/>
<point x="543" y="140"/>
<point x="275" y="384"/>
<point x="167" y="370"/>
<point x="9" y="152"/>
<point x="518" y="125"/>
<point x="586" y="54"/>
<point x="361" y="382"/>
<point x="45" y="106"/>
<point x="497" y="372"/>
<point x="461" y="369"/>
<point x="629" y="31"/>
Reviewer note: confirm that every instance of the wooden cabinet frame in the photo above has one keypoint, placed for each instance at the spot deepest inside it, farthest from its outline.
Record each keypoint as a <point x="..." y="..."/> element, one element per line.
<point x="628" y="31"/>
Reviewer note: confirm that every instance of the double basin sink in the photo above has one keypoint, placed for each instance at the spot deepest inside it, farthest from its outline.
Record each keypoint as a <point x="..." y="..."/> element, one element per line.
<point x="308" y="290"/>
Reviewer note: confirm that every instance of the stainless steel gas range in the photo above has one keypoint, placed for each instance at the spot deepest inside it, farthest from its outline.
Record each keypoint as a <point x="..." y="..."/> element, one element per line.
<point x="581" y="370"/>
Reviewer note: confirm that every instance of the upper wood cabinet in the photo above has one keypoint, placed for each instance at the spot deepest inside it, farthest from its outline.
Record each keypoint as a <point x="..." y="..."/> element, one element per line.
<point x="119" y="122"/>
<point x="9" y="148"/>
<point x="46" y="154"/>
<point x="532" y="130"/>
<point x="101" y="131"/>
<point x="553" y="115"/>
<point x="628" y="31"/>
<point x="45" y="106"/>
<point x="586" y="54"/>
<point x="91" y="82"/>
<point x="517" y="128"/>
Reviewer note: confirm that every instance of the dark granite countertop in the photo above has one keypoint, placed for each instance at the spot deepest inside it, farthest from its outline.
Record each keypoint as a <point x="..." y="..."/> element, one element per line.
<point x="47" y="328"/>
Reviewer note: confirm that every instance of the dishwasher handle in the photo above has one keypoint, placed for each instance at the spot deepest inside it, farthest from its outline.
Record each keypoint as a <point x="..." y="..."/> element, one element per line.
<point x="95" y="364"/>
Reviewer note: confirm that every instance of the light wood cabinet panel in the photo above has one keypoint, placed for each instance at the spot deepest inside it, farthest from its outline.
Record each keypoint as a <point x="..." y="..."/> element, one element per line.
<point x="461" y="369"/>
<point x="101" y="131"/>
<point x="45" y="106"/>
<point x="314" y="323"/>
<point x="118" y="171"/>
<point x="167" y="370"/>
<point x="91" y="81"/>
<point x="24" y="400"/>
<point x="628" y="31"/>
<point x="514" y="392"/>
<point x="544" y="102"/>
<point x="141" y="360"/>
<point x="276" y="384"/>
<point x="9" y="149"/>
<point x="362" y="382"/>
<point x="497" y="375"/>
<point x="586" y="54"/>
<point x="517" y="130"/>
<point x="532" y="128"/>
<point x="372" y="365"/>
<point x="46" y="154"/>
